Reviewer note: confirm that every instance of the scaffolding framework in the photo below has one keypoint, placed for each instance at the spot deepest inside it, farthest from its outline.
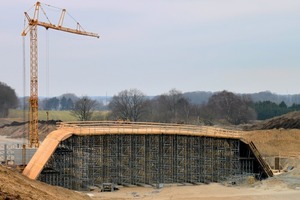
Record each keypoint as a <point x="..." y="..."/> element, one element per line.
<point x="147" y="159"/>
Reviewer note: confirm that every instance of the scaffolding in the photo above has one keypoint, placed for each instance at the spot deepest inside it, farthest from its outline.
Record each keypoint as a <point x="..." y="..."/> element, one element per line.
<point x="147" y="159"/>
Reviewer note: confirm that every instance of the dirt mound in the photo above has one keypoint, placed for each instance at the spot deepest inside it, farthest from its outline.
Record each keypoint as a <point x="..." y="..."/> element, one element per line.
<point x="15" y="123"/>
<point x="288" y="121"/>
<point x="15" y="129"/>
<point x="4" y="121"/>
<point x="16" y="186"/>
<point x="275" y="142"/>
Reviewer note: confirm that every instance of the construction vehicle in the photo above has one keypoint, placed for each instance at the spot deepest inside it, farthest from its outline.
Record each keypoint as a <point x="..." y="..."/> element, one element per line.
<point x="107" y="187"/>
<point x="33" y="23"/>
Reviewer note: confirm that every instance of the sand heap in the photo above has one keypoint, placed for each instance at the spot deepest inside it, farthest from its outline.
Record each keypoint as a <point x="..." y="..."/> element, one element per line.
<point x="16" y="186"/>
<point x="19" y="129"/>
<point x="288" y="121"/>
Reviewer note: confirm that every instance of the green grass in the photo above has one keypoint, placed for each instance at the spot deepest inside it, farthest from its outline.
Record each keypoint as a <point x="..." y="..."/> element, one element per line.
<point x="62" y="115"/>
<point x="100" y="115"/>
<point x="53" y="115"/>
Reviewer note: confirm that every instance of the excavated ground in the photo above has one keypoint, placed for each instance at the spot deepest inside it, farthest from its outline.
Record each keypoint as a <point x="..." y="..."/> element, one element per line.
<point x="288" y="121"/>
<point x="13" y="185"/>
<point x="15" y="129"/>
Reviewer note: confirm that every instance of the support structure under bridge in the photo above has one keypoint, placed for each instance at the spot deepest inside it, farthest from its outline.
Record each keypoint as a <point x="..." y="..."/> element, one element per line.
<point x="80" y="155"/>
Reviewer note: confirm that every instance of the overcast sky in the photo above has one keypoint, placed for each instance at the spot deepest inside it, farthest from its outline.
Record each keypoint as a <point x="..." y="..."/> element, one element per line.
<point x="242" y="46"/>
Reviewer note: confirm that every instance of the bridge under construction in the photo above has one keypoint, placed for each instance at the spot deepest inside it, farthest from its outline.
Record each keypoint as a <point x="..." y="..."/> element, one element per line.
<point x="80" y="155"/>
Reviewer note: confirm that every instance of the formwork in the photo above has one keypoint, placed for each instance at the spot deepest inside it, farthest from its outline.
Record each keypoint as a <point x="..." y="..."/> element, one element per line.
<point x="81" y="161"/>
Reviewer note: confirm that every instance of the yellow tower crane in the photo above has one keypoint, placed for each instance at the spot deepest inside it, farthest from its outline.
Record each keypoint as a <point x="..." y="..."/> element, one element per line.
<point x="33" y="23"/>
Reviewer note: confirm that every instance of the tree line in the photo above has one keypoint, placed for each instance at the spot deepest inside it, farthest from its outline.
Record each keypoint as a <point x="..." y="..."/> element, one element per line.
<point x="65" y="102"/>
<point x="170" y="107"/>
<point x="8" y="99"/>
<point x="268" y="109"/>
<point x="173" y="107"/>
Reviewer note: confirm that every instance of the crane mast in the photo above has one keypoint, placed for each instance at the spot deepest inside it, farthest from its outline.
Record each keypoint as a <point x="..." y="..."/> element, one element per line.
<point x="33" y="23"/>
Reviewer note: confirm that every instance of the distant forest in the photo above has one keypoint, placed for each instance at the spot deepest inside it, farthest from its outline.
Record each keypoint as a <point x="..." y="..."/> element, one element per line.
<point x="266" y="104"/>
<point x="189" y="107"/>
<point x="201" y="97"/>
<point x="200" y="107"/>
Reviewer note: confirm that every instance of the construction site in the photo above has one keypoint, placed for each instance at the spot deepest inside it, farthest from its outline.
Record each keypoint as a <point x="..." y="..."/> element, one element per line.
<point x="151" y="160"/>
<point x="95" y="156"/>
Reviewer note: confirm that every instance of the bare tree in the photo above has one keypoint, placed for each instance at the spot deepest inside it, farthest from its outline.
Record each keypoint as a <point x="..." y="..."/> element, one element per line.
<point x="128" y="105"/>
<point x="171" y="107"/>
<point x="83" y="108"/>
<point x="233" y="108"/>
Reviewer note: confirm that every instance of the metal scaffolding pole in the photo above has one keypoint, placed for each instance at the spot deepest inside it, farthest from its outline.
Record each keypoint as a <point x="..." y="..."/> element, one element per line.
<point x="137" y="159"/>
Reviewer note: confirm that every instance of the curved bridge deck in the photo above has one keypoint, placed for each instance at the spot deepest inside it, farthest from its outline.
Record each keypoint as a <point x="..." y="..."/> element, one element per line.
<point x="121" y="127"/>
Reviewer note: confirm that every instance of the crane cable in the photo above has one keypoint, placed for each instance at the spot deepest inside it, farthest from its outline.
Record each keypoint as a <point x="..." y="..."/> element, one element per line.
<point x="47" y="78"/>
<point x="24" y="100"/>
<point x="24" y="82"/>
<point x="79" y="27"/>
<point x="45" y="14"/>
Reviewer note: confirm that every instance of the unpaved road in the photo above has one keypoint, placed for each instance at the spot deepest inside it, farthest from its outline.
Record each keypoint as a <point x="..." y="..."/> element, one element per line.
<point x="266" y="191"/>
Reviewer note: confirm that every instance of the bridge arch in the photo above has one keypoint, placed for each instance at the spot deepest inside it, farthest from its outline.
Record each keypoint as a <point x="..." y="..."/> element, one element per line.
<point x="79" y="155"/>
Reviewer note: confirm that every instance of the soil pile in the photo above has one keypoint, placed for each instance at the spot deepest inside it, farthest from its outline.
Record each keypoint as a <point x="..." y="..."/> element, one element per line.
<point x="14" y="129"/>
<point x="275" y="142"/>
<point x="290" y="180"/>
<point x="16" y="186"/>
<point x="288" y="121"/>
<point x="279" y="136"/>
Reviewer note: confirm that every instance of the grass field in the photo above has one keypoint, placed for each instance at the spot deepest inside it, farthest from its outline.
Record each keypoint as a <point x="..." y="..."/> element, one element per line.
<point x="62" y="115"/>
